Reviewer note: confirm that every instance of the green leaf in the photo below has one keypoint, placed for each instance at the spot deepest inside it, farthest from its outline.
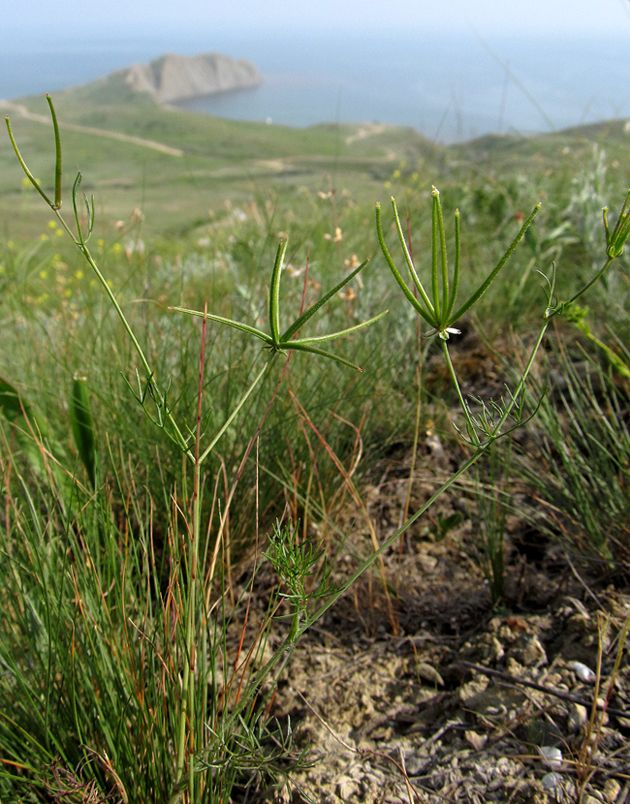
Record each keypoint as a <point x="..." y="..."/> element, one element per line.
<point x="415" y="303"/>
<point x="58" y="154"/>
<point x="300" y="347"/>
<point x="409" y="261"/>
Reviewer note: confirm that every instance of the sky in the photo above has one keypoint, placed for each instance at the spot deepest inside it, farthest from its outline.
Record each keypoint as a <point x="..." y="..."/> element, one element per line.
<point x="553" y="17"/>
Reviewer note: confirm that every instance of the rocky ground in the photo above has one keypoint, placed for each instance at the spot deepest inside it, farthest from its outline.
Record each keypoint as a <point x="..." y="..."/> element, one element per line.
<point x="443" y="696"/>
<point x="465" y="702"/>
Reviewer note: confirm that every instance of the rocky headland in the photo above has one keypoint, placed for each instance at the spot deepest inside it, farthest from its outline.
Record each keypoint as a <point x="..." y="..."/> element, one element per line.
<point x="173" y="78"/>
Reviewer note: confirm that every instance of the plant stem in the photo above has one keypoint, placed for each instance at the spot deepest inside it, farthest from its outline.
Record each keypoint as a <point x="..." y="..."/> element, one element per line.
<point x="596" y="277"/>
<point x="85" y="251"/>
<point x="237" y="408"/>
<point x="470" y="425"/>
<point x="188" y="710"/>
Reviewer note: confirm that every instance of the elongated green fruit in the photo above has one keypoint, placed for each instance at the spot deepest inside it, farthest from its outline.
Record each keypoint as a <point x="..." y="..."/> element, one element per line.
<point x="58" y="157"/>
<point x="83" y="426"/>
<point x="274" y="293"/>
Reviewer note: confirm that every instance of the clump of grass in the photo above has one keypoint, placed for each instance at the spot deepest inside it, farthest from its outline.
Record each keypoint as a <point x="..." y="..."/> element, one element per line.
<point x="584" y="442"/>
<point x="192" y="656"/>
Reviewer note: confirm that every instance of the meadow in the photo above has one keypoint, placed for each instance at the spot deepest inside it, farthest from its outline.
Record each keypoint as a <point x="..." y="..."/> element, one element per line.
<point x="243" y="411"/>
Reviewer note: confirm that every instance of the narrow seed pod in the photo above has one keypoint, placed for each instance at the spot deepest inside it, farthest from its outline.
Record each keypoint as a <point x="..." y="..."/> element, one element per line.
<point x="83" y="425"/>
<point x="58" y="153"/>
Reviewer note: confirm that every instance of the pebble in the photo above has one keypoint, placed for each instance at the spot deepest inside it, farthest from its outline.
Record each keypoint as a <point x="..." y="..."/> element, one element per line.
<point x="476" y="740"/>
<point x="578" y="715"/>
<point x="346" y="787"/>
<point x="428" y="673"/>
<point x="550" y="781"/>
<point x="552" y="756"/>
<point x="472" y="688"/>
<point x="583" y="672"/>
<point x="612" y="790"/>
<point x="534" y="654"/>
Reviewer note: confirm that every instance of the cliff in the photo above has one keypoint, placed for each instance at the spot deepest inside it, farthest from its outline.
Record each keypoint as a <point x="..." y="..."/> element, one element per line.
<point x="173" y="78"/>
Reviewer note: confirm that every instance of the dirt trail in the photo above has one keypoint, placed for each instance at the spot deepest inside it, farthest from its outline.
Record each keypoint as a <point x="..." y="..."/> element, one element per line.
<point x="365" y="131"/>
<point x="22" y="111"/>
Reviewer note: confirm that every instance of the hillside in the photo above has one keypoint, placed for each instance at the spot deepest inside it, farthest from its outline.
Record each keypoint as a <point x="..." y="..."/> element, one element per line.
<point x="130" y="148"/>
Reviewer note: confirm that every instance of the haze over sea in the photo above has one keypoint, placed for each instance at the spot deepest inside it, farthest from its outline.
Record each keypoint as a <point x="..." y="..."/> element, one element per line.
<point x="448" y="86"/>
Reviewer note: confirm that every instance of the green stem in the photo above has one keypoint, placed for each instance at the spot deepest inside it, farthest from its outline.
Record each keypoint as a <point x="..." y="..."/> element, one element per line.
<point x="187" y="711"/>
<point x="583" y="290"/>
<point x="470" y="425"/>
<point x="237" y="409"/>
<point x="496" y="431"/>
<point x="85" y="251"/>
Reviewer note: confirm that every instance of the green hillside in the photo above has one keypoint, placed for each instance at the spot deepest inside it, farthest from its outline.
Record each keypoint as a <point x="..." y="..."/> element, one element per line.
<point x="212" y="160"/>
<point x="217" y="159"/>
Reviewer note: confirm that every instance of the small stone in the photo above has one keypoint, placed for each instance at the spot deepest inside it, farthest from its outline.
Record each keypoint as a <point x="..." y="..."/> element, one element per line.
<point x="497" y="649"/>
<point x="346" y="787"/>
<point x="415" y="764"/>
<point x="550" y="781"/>
<point x="429" y="673"/>
<point x="504" y="766"/>
<point x="583" y="672"/>
<point x="472" y="688"/>
<point x="578" y="715"/>
<point x="477" y="741"/>
<point x="612" y="790"/>
<point x="552" y="756"/>
<point x="534" y="653"/>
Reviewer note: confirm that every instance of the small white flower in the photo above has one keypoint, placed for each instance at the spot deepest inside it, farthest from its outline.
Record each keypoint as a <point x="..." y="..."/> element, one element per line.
<point x="444" y="334"/>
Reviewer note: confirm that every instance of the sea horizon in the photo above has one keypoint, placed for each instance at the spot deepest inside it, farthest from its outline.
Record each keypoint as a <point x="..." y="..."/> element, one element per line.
<point x="450" y="87"/>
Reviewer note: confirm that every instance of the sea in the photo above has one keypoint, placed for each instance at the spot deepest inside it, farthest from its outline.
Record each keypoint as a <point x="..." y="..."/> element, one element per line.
<point x="450" y="87"/>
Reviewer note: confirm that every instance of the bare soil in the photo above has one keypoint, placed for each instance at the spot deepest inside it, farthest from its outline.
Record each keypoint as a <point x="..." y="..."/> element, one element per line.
<point x="460" y="701"/>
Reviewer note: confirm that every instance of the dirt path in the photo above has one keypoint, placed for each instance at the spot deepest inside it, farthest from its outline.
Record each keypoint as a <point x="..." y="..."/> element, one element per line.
<point x="22" y="111"/>
<point x="368" y="130"/>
